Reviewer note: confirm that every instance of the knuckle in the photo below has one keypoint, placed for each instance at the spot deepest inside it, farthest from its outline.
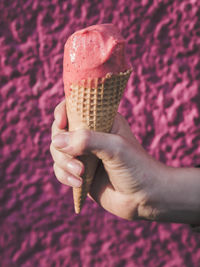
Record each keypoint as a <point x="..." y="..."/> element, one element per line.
<point x="53" y="129"/>
<point x="60" y="174"/>
<point x="55" y="153"/>
<point x="84" y="140"/>
<point x="51" y="149"/>
<point x="55" y="169"/>
<point x="56" y="110"/>
<point x="119" y="141"/>
<point x="120" y="144"/>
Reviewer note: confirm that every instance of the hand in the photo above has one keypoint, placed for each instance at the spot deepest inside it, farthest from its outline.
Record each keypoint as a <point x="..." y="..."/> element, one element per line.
<point x="126" y="179"/>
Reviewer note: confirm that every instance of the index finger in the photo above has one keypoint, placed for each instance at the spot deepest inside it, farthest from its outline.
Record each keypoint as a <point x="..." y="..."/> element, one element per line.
<point x="56" y="130"/>
<point x="60" y="115"/>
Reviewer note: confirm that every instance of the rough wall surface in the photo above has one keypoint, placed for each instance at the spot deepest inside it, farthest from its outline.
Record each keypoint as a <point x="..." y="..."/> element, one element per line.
<point x="162" y="104"/>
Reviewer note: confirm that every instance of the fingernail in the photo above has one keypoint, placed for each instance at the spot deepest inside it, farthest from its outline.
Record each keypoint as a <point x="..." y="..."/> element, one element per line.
<point x="74" y="182"/>
<point x="74" y="167"/>
<point x="61" y="140"/>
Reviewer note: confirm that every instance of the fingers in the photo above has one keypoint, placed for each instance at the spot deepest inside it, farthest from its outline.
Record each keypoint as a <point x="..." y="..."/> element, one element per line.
<point x="104" y="146"/>
<point x="61" y="115"/>
<point x="66" y="162"/>
<point x="66" y="168"/>
<point x="56" y="130"/>
<point x="66" y="178"/>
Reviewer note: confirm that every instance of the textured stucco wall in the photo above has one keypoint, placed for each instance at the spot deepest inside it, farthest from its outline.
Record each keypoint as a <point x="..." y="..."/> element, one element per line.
<point x="38" y="226"/>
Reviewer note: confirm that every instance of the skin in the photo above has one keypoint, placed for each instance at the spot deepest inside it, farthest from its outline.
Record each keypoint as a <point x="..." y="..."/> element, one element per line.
<point x="129" y="183"/>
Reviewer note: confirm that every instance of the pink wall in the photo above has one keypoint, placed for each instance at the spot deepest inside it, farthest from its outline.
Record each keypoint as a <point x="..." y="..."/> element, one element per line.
<point x="162" y="104"/>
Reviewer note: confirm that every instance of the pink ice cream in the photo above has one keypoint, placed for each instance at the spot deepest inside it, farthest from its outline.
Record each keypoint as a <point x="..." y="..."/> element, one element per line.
<point x="92" y="53"/>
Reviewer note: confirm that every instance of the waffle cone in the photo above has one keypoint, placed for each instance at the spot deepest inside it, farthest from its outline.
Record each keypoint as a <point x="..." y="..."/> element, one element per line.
<point x="92" y="104"/>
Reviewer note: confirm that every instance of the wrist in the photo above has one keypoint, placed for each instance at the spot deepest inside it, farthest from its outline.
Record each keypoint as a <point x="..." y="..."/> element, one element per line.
<point x="154" y="206"/>
<point x="175" y="196"/>
<point x="184" y="199"/>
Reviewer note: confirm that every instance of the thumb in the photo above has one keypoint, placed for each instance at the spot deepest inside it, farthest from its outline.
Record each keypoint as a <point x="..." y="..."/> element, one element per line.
<point x="104" y="145"/>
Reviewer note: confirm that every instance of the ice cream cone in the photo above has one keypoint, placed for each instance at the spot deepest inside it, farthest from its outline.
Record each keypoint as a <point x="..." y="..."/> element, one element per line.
<point x="92" y="104"/>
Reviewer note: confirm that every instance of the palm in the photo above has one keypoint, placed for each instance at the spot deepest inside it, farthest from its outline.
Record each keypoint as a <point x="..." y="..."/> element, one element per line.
<point x="114" y="186"/>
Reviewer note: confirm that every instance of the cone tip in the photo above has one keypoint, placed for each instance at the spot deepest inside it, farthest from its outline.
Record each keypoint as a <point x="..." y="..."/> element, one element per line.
<point x="77" y="209"/>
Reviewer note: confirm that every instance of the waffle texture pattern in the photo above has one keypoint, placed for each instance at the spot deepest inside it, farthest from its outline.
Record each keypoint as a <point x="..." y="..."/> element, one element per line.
<point x="95" y="103"/>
